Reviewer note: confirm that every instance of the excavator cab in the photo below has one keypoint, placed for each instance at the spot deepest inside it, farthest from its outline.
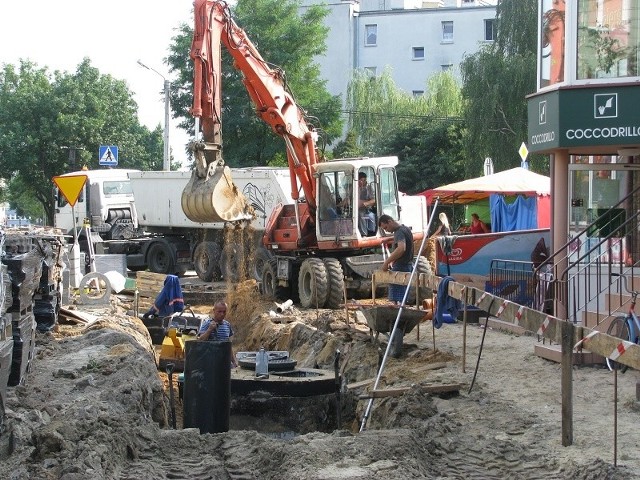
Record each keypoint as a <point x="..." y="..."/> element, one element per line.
<point x="352" y="193"/>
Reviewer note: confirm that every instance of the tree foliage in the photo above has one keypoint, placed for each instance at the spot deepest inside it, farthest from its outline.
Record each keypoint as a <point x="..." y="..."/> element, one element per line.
<point x="425" y="132"/>
<point x="284" y="38"/>
<point x="430" y="154"/>
<point x="496" y="81"/>
<point x="43" y="117"/>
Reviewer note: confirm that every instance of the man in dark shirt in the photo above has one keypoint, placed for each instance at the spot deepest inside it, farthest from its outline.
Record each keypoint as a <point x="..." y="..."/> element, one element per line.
<point x="400" y="259"/>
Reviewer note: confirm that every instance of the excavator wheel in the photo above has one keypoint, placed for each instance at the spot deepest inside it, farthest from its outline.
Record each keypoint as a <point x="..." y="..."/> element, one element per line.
<point x="312" y="283"/>
<point x="214" y="199"/>
<point x="260" y="257"/>
<point x="335" y="283"/>
<point x="270" y="287"/>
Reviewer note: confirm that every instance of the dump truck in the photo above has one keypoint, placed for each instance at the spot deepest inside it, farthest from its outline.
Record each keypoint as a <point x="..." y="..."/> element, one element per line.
<point x="139" y="214"/>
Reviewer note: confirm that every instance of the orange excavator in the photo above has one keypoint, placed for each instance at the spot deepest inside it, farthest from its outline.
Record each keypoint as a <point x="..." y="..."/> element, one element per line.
<point x="326" y="244"/>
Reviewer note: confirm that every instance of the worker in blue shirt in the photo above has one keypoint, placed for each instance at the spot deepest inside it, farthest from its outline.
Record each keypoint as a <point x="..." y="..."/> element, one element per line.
<point x="216" y="327"/>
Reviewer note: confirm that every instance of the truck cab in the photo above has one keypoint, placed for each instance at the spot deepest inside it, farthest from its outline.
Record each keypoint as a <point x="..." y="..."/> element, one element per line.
<point x="106" y="201"/>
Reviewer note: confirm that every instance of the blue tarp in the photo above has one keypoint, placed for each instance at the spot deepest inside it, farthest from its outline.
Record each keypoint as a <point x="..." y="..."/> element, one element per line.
<point x="519" y="215"/>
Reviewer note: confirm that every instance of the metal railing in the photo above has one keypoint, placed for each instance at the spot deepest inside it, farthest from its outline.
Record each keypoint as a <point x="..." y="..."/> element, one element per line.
<point x="583" y="274"/>
<point x="513" y="280"/>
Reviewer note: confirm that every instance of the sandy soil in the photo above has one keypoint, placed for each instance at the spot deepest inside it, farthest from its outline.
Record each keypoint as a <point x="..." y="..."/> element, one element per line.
<point x="94" y="406"/>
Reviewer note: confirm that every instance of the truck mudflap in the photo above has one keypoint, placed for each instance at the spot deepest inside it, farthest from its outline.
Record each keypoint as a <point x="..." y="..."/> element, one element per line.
<point x="215" y="198"/>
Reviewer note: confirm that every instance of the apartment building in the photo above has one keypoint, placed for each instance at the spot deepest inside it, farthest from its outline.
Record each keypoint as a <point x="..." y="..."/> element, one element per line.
<point x="415" y="39"/>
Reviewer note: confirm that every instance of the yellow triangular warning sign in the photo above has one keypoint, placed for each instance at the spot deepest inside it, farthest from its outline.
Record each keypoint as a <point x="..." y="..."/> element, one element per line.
<point x="70" y="186"/>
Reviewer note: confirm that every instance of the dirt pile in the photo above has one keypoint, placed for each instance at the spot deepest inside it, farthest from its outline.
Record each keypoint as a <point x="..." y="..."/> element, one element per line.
<point x="94" y="407"/>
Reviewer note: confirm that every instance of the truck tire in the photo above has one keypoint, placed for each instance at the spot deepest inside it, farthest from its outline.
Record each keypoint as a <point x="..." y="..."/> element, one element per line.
<point x="206" y="261"/>
<point x="335" y="283"/>
<point x="160" y="258"/>
<point x="260" y="257"/>
<point x="233" y="263"/>
<point x="312" y="283"/>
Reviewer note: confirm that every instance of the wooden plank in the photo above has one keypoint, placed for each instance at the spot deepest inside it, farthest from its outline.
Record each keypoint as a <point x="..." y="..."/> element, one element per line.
<point x="77" y="316"/>
<point x="395" y="392"/>
<point x="538" y="322"/>
<point x="387" y="392"/>
<point x="397" y="278"/>
<point x="361" y="383"/>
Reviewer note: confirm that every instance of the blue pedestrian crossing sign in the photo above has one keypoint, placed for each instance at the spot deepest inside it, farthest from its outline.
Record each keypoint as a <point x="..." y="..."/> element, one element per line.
<point x="108" y="155"/>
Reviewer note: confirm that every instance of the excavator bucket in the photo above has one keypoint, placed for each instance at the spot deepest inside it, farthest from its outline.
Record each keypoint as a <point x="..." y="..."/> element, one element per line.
<point x="215" y="199"/>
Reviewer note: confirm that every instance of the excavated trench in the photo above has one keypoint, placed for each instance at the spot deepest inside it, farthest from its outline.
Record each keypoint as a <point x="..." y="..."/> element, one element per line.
<point x="308" y="398"/>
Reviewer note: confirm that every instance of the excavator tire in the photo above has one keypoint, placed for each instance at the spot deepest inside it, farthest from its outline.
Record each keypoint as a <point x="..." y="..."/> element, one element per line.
<point x="312" y="283"/>
<point x="335" y="283"/>
<point x="270" y="287"/>
<point x="160" y="258"/>
<point x="260" y="257"/>
<point x="206" y="261"/>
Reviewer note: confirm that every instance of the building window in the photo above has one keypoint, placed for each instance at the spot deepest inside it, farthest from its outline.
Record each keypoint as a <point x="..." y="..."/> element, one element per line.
<point x="607" y="40"/>
<point x="417" y="93"/>
<point x="371" y="35"/>
<point x="489" y="30"/>
<point x="447" y="31"/>
<point x="446" y="67"/>
<point x="418" y="53"/>
<point x="371" y="71"/>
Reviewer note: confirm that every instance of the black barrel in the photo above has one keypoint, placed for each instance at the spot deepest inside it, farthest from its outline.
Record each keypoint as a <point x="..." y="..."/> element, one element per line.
<point x="207" y="385"/>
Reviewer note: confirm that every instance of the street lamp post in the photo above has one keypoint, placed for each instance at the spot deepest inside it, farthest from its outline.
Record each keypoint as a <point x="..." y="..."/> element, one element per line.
<point x="166" y="165"/>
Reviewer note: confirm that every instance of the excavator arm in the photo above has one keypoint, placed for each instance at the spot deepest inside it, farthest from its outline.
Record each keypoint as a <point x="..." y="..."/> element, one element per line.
<point x="266" y="86"/>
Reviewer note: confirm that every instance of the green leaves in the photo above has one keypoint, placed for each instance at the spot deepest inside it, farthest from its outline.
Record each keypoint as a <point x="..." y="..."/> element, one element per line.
<point x="496" y="81"/>
<point x="283" y="38"/>
<point x="43" y="117"/>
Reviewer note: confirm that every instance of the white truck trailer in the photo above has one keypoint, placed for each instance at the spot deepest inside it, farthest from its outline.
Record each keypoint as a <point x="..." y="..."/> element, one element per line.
<point x="139" y="214"/>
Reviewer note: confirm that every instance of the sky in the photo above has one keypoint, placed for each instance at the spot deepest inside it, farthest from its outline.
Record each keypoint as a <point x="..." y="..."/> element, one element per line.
<point x="58" y="34"/>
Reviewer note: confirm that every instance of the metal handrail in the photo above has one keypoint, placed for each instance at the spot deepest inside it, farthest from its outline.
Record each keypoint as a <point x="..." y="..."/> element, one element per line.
<point x="589" y="275"/>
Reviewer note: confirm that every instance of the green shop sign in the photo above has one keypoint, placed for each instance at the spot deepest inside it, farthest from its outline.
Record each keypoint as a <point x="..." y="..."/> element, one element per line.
<point x="584" y="117"/>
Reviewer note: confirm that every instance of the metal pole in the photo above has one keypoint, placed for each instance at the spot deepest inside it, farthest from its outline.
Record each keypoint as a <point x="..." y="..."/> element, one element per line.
<point x="365" y="418"/>
<point x="166" y="163"/>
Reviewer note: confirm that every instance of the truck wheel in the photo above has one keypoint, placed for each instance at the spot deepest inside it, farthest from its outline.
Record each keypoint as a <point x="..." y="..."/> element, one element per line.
<point x="335" y="283"/>
<point x="312" y="283"/>
<point x="233" y="263"/>
<point x="160" y="258"/>
<point x="260" y="258"/>
<point x="206" y="261"/>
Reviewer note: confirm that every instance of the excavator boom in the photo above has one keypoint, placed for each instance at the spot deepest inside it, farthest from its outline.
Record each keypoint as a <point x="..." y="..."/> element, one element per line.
<point x="210" y="195"/>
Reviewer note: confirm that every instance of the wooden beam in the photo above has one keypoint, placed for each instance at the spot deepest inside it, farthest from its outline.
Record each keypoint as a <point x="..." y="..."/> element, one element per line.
<point x="539" y="323"/>
<point x="396" y="392"/>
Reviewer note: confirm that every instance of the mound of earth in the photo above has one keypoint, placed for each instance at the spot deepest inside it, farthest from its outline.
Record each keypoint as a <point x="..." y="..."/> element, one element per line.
<point x="94" y="406"/>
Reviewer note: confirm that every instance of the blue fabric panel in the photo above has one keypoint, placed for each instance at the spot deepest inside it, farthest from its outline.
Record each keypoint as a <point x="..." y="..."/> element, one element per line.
<point x="519" y="215"/>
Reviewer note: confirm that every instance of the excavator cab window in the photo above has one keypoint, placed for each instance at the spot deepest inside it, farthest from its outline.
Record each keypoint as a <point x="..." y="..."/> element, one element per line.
<point x="334" y="204"/>
<point x="388" y="194"/>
